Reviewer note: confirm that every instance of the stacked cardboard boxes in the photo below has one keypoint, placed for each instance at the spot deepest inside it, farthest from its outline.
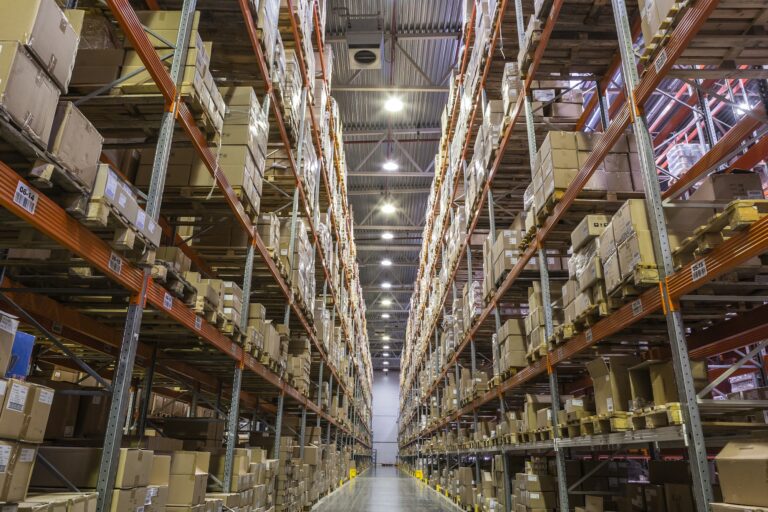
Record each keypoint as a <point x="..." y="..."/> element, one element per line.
<point x="509" y="347"/>
<point x="301" y="264"/>
<point x="299" y="363"/>
<point x="536" y="488"/>
<point x="585" y="289"/>
<point x="197" y="81"/>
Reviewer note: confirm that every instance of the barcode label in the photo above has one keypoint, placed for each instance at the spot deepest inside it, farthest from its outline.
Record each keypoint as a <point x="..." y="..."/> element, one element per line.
<point x="198" y="323"/>
<point x="115" y="263"/>
<point x="637" y="307"/>
<point x="658" y="64"/>
<point x="110" y="189"/>
<point x="26" y="198"/>
<point x="8" y="324"/>
<point x="698" y="270"/>
<point x="5" y="457"/>
<point x="122" y="199"/>
<point x="588" y="335"/>
<point x="17" y="398"/>
<point x="27" y="455"/>
<point x="168" y="301"/>
<point x="140" y="219"/>
<point x="46" y="396"/>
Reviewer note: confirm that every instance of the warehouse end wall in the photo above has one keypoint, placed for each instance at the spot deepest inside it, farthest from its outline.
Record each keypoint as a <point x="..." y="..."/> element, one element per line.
<point x="386" y="393"/>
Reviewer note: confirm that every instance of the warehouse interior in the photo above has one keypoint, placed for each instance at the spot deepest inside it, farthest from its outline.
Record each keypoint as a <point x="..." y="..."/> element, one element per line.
<point x="374" y="255"/>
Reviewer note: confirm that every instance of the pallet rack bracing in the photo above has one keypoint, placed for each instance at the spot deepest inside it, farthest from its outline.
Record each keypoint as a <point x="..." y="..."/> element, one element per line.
<point x="665" y="299"/>
<point x="51" y="220"/>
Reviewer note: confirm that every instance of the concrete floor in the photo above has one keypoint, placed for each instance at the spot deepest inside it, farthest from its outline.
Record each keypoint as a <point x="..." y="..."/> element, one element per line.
<point x="384" y="489"/>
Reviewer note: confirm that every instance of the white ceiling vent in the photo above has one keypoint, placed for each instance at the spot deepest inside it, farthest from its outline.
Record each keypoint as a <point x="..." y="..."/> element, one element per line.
<point x="365" y="42"/>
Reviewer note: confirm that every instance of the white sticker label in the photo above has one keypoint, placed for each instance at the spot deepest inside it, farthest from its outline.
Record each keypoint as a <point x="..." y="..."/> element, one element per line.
<point x="534" y="495"/>
<point x="755" y="194"/>
<point x="609" y="404"/>
<point x="577" y="402"/>
<point x="698" y="270"/>
<point x="17" y="397"/>
<point x="115" y="263"/>
<point x="588" y="335"/>
<point x="140" y="219"/>
<point x="637" y="307"/>
<point x="168" y="301"/>
<point x="46" y="396"/>
<point x="533" y="478"/>
<point x="26" y="198"/>
<point x="110" y="190"/>
<point x="122" y="200"/>
<point x="27" y="455"/>
<point x="198" y="323"/>
<point x="5" y="457"/>
<point x="658" y="64"/>
<point x="3" y="387"/>
<point x="151" y="226"/>
<point x="8" y="324"/>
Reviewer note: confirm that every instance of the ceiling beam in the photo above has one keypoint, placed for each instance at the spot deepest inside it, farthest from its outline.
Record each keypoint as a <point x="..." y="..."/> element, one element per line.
<point x="391" y="174"/>
<point x="403" y="35"/>
<point x="373" y="131"/>
<point x="430" y="89"/>
<point x="392" y="191"/>
<point x="382" y="227"/>
<point x="361" y="246"/>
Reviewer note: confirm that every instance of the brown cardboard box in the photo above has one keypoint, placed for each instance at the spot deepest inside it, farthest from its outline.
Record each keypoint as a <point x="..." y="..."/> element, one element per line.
<point x="25" y="409"/>
<point x="76" y="143"/>
<point x="678" y="498"/>
<point x="66" y="501"/>
<point x="96" y="66"/>
<point x="161" y="470"/>
<point x="631" y="216"/>
<point x="62" y="419"/>
<point x="636" y="249"/>
<point x="727" y="187"/>
<point x="742" y="468"/>
<point x="134" y="468"/>
<point x="26" y="93"/>
<point x="44" y="29"/>
<point x="729" y="507"/>
<point x="612" y="272"/>
<point x="8" y="326"/>
<point x="92" y="415"/>
<point x="128" y="500"/>
<point x="593" y="503"/>
<point x="16" y="463"/>
<point x="187" y="489"/>
<point x="654" y="498"/>
<point x="157" y="498"/>
<point x="590" y="227"/>
<point x="610" y="378"/>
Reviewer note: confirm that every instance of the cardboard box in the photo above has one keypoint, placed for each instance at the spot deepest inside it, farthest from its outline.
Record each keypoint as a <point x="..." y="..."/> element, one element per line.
<point x="26" y="93"/>
<point x="9" y="324"/>
<point x="25" y="410"/>
<point x="44" y="29"/>
<point x="678" y="498"/>
<point x="654" y="498"/>
<point x="591" y="226"/>
<point x="729" y="507"/>
<point x="612" y="272"/>
<point x="610" y="377"/>
<point x="636" y="250"/>
<point x="16" y="463"/>
<point x="727" y="187"/>
<point x="742" y="468"/>
<point x="96" y="66"/>
<point x="187" y="489"/>
<point x="128" y="500"/>
<point x="630" y="217"/>
<point x="76" y="143"/>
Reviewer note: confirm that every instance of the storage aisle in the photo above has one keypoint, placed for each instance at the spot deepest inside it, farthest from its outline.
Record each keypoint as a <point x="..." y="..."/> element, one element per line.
<point x="384" y="489"/>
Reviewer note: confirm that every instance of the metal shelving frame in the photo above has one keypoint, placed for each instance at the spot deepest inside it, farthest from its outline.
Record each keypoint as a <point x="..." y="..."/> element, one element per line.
<point x="674" y="284"/>
<point x="52" y="221"/>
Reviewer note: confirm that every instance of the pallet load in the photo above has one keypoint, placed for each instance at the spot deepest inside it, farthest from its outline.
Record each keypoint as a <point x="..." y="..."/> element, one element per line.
<point x="510" y="345"/>
<point x="114" y="205"/>
<point x="534" y="321"/>
<point x="610" y="379"/>
<point x="299" y="363"/>
<point x="301" y="264"/>
<point x="536" y="488"/>
<point x="510" y="87"/>
<point x="267" y="13"/>
<point x="741" y="469"/>
<point x="197" y="81"/>
<point x="232" y="308"/>
<point x="627" y="252"/>
<point x="170" y="265"/>
<point x="561" y="156"/>
<point x="210" y="297"/>
<point x="255" y="334"/>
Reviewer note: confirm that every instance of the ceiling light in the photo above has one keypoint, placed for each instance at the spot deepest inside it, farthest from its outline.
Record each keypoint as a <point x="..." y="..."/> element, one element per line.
<point x="386" y="285"/>
<point x="393" y="104"/>
<point x="386" y="302"/>
<point x="387" y="235"/>
<point x="388" y="208"/>
<point x="386" y="262"/>
<point x="385" y="370"/>
<point x="385" y="347"/>
<point x="385" y="338"/>
<point x="385" y="354"/>
<point x="386" y="363"/>
<point x="385" y="315"/>
<point x="390" y="165"/>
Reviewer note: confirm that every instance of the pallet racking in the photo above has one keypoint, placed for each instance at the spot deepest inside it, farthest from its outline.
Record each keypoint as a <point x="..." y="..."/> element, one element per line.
<point x="161" y="334"/>
<point x="603" y="58"/>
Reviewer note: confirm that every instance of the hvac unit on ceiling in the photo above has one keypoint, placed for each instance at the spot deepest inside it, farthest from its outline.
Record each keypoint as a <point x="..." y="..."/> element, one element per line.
<point x="365" y="43"/>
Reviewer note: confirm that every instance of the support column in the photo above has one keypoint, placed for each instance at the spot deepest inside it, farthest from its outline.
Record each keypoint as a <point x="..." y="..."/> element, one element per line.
<point x="146" y="393"/>
<point x="278" y="425"/>
<point x="233" y="425"/>
<point x="697" y="453"/>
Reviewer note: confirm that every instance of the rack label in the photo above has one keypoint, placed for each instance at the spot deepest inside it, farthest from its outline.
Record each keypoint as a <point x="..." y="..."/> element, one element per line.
<point x="141" y="219"/>
<point x="5" y="457"/>
<point x="26" y="198"/>
<point x="637" y="307"/>
<point x="115" y="263"/>
<point x="110" y="189"/>
<point x="588" y="335"/>
<point x="27" y="455"/>
<point x="168" y="301"/>
<point x="8" y="324"/>
<point x="46" y="396"/>
<point x="698" y="270"/>
<point x="198" y="323"/>
<point x="658" y="64"/>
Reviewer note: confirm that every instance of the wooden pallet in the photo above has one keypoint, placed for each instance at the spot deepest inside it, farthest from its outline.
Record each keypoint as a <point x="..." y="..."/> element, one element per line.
<point x="605" y="424"/>
<point x="203" y="308"/>
<point x="657" y="416"/>
<point x="103" y="219"/>
<point x="736" y="217"/>
<point x="632" y="285"/>
<point x="165" y="273"/>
